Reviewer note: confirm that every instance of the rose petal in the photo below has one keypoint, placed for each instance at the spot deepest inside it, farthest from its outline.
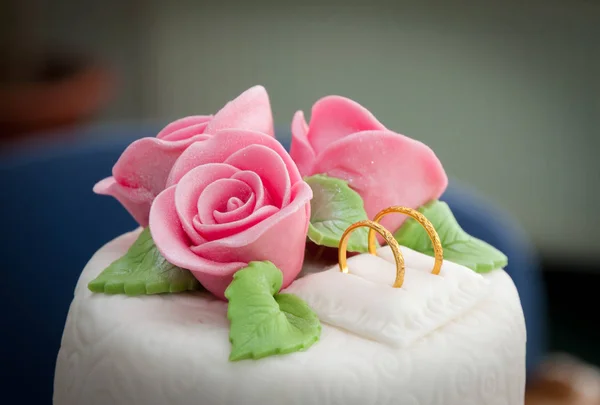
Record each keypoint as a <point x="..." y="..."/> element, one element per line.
<point x="213" y="232"/>
<point x="251" y="111"/>
<point x="237" y="211"/>
<point x="135" y="200"/>
<point x="141" y="173"/>
<point x="184" y="128"/>
<point x="223" y="144"/>
<point x="190" y="188"/>
<point x="173" y="244"/>
<point x="233" y="204"/>
<point x="255" y="183"/>
<point x="265" y="240"/>
<point x="186" y="133"/>
<point x="386" y="169"/>
<point x="226" y="197"/>
<point x="301" y="151"/>
<point x="335" y="117"/>
<point x="270" y="168"/>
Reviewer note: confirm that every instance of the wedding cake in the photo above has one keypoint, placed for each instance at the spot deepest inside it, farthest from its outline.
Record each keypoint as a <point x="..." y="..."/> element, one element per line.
<point x="331" y="274"/>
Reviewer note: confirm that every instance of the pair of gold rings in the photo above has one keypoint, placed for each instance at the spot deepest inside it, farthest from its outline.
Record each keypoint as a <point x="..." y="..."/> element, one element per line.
<point x="375" y="226"/>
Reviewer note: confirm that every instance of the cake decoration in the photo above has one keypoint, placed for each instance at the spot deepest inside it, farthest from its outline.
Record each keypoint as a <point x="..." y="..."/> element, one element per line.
<point x="387" y="236"/>
<point x="224" y="207"/>
<point x="422" y="220"/>
<point x="459" y="246"/>
<point x="141" y="172"/>
<point x="265" y="322"/>
<point x="393" y="245"/>
<point x="364" y="302"/>
<point x="333" y="208"/>
<point x="143" y="270"/>
<point x="230" y="200"/>
<point x="345" y="141"/>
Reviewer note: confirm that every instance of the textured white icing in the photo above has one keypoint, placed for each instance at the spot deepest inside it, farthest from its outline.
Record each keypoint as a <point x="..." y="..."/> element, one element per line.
<point x="365" y="303"/>
<point x="173" y="349"/>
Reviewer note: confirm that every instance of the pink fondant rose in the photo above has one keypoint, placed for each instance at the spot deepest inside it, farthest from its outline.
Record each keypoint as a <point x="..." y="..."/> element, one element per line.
<point x="231" y="199"/>
<point x="346" y="141"/>
<point x="141" y="171"/>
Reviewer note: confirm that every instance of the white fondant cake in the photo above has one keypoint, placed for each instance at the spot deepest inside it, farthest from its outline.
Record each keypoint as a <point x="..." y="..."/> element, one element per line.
<point x="173" y="349"/>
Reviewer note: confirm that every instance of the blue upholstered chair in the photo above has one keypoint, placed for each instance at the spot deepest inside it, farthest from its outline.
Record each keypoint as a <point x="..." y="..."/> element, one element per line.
<point x="52" y="223"/>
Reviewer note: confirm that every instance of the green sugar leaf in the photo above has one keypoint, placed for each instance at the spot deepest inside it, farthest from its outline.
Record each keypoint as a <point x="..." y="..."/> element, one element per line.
<point x="334" y="207"/>
<point x="143" y="270"/>
<point x="263" y="322"/>
<point x="459" y="246"/>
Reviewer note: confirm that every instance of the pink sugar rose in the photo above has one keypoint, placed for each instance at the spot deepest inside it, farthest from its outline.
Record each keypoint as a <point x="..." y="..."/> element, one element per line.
<point x="344" y="140"/>
<point x="231" y="199"/>
<point x="141" y="172"/>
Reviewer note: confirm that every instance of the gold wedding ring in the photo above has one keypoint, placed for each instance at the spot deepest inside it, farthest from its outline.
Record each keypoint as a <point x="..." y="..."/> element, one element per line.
<point x="425" y="223"/>
<point x="389" y="238"/>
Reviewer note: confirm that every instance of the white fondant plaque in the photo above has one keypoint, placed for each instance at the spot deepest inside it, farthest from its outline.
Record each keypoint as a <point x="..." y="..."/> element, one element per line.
<point x="365" y="303"/>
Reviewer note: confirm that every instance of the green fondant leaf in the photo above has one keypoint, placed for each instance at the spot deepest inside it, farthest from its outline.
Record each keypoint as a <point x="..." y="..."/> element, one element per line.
<point x="143" y="270"/>
<point x="334" y="207"/>
<point x="459" y="246"/>
<point x="264" y="323"/>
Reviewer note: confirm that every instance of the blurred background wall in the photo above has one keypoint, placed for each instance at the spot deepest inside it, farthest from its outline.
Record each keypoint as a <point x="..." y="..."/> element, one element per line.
<point x="507" y="94"/>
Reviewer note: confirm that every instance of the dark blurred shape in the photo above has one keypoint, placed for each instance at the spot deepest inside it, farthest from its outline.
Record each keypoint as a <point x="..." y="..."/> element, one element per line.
<point x="64" y="92"/>
<point x="564" y="380"/>
<point x="41" y="89"/>
<point x="573" y="321"/>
